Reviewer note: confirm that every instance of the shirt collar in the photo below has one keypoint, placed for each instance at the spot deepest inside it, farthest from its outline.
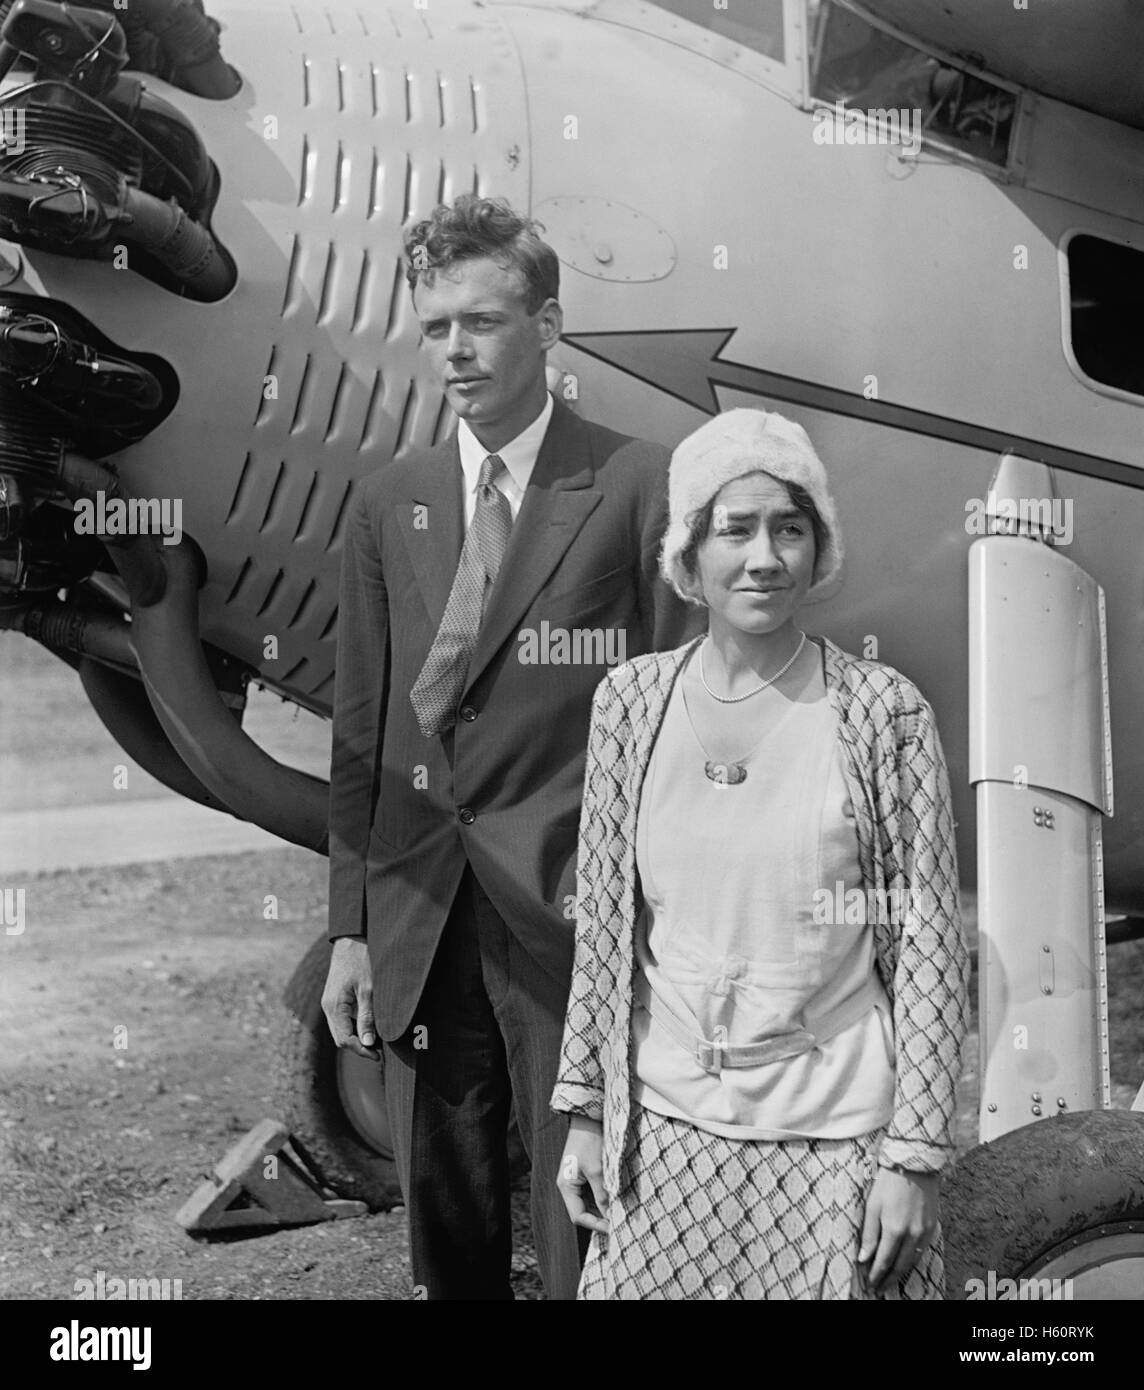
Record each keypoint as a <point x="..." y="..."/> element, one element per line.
<point x="519" y="454"/>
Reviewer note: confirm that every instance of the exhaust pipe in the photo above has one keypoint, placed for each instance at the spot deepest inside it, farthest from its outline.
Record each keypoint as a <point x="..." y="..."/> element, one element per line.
<point x="137" y="558"/>
<point x="163" y="582"/>
<point x="256" y="787"/>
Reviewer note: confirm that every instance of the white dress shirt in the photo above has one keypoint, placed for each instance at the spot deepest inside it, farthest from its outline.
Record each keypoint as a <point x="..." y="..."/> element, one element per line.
<point x="518" y="456"/>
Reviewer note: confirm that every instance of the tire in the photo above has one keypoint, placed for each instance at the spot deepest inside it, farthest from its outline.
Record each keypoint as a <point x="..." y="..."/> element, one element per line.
<point x="334" y="1101"/>
<point x="349" y="1149"/>
<point x="1058" y="1200"/>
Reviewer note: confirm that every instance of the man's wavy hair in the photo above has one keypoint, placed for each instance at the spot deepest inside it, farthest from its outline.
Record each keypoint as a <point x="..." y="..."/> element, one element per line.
<point x="476" y="227"/>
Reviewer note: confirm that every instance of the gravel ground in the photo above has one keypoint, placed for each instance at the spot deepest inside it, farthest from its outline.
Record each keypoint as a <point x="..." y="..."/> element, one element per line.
<point x="135" y="1017"/>
<point x="135" y="1012"/>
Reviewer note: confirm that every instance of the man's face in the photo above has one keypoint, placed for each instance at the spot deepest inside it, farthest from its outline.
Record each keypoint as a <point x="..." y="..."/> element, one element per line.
<point x="487" y="347"/>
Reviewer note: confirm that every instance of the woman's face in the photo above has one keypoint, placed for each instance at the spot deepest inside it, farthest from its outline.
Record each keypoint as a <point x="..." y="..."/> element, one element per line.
<point x="756" y="562"/>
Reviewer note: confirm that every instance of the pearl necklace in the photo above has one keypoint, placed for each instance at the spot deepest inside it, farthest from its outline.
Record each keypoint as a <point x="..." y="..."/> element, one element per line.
<point x="737" y="699"/>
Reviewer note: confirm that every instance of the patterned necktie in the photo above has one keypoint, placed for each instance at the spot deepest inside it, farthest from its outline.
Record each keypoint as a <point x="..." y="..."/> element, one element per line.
<point x="438" y="688"/>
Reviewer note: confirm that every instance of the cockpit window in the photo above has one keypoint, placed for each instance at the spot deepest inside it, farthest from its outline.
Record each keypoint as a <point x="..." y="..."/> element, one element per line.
<point x="1106" y="303"/>
<point x="756" y="24"/>
<point x="855" y="63"/>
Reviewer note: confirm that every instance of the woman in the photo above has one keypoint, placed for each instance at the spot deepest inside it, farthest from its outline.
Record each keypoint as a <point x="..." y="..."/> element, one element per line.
<point x="769" y="995"/>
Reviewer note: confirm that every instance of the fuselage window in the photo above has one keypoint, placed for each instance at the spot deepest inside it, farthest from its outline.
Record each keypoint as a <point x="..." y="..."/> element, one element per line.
<point x="866" y="69"/>
<point x="1106" y="304"/>
<point x="756" y="24"/>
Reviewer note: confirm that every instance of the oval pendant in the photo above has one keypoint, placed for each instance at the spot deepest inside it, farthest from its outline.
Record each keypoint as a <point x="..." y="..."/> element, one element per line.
<point x="725" y="774"/>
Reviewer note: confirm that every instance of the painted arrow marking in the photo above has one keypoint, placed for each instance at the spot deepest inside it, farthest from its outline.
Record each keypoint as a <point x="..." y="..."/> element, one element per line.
<point x="686" y="363"/>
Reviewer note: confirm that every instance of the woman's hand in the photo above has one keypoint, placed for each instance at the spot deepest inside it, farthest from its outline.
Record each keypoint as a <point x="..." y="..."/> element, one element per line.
<point x="582" y="1166"/>
<point x="901" y="1218"/>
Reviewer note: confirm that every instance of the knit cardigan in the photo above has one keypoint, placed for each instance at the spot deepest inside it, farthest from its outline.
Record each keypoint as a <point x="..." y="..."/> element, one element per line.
<point x="898" y="784"/>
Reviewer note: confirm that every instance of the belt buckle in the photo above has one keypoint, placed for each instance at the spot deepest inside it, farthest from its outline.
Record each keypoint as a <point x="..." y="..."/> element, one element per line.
<point x="710" y="1057"/>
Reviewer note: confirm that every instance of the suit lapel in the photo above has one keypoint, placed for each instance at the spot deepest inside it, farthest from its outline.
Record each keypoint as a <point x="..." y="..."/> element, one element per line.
<point x="558" y="500"/>
<point x="433" y="537"/>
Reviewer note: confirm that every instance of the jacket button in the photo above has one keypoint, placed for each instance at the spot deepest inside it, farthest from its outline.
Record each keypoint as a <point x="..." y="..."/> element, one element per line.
<point x="466" y="816"/>
<point x="468" y="713"/>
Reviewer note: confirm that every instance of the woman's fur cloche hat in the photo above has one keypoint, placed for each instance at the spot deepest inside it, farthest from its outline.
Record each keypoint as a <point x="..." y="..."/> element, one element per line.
<point x="731" y="445"/>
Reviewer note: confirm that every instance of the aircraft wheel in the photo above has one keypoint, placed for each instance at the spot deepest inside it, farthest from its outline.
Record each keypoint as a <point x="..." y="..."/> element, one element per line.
<point x="334" y="1101"/>
<point x="1059" y="1199"/>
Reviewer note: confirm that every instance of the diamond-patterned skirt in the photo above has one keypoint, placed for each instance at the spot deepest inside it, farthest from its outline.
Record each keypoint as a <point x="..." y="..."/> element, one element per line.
<point x="702" y="1216"/>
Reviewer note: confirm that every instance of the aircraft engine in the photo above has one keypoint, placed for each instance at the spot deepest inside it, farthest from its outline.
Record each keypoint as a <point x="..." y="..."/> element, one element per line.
<point x="62" y="384"/>
<point x="96" y="166"/>
<point x="103" y="165"/>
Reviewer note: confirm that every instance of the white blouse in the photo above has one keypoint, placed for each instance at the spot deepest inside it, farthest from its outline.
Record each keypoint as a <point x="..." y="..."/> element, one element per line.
<point x="742" y="939"/>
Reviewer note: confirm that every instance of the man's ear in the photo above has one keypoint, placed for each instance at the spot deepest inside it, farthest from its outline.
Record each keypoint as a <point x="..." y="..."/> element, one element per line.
<point x="550" y="319"/>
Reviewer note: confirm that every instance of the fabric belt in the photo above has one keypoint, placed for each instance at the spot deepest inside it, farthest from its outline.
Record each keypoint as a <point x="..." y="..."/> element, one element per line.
<point x="713" y="1057"/>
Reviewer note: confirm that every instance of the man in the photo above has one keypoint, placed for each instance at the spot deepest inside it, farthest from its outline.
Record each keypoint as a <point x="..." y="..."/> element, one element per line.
<point x="487" y="583"/>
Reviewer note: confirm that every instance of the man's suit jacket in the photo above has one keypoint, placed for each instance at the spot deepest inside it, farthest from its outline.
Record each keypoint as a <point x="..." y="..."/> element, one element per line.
<point x="502" y="789"/>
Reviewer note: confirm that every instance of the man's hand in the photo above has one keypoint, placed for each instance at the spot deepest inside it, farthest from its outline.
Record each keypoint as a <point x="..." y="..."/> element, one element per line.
<point x="348" y="998"/>
<point x="582" y="1166"/>
<point x="901" y="1218"/>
